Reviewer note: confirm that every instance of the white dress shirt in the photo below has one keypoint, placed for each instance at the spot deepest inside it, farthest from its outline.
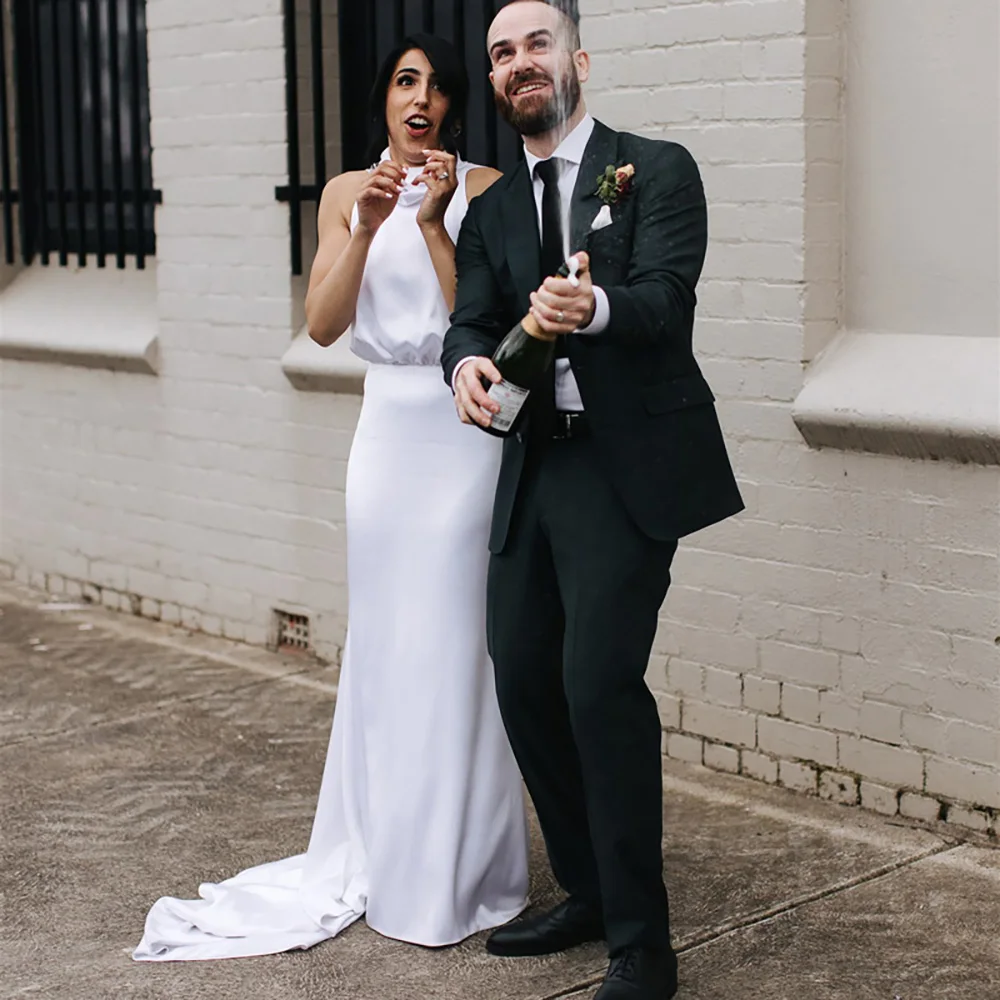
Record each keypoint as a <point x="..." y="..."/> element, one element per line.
<point x="570" y="154"/>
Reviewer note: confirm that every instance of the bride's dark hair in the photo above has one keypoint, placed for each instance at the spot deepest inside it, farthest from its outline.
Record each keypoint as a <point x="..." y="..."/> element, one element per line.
<point x="452" y="78"/>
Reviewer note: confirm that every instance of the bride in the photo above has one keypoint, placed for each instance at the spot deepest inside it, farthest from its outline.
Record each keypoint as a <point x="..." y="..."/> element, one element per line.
<point x="420" y="824"/>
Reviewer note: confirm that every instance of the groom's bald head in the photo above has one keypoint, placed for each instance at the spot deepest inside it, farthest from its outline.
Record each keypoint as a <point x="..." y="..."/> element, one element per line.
<point x="569" y="19"/>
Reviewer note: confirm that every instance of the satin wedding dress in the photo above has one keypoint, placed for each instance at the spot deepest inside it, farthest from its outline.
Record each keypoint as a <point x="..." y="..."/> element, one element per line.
<point x="420" y="823"/>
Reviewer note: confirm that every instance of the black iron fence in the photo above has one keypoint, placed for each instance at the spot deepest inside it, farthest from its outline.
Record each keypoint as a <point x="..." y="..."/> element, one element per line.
<point x="367" y="31"/>
<point x="74" y="131"/>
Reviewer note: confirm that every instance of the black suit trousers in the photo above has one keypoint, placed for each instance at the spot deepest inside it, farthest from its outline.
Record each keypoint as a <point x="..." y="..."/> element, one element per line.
<point x="572" y="610"/>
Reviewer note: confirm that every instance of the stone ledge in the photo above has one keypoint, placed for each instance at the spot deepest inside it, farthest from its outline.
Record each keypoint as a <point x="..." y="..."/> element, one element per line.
<point x="312" y="368"/>
<point x="912" y="395"/>
<point x="95" y="318"/>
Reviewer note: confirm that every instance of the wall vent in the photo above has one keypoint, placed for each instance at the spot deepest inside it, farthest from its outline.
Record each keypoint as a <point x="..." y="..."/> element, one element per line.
<point x="291" y="632"/>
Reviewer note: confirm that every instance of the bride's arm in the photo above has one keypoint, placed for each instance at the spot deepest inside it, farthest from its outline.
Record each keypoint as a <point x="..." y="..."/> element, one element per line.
<point x="339" y="265"/>
<point x="439" y="243"/>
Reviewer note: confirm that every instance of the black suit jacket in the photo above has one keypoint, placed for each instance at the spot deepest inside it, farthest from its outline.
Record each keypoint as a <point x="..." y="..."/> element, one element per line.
<point x="650" y="409"/>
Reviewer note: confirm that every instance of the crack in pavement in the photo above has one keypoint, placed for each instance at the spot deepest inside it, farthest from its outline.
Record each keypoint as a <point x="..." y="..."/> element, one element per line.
<point x="698" y="941"/>
<point x="705" y="938"/>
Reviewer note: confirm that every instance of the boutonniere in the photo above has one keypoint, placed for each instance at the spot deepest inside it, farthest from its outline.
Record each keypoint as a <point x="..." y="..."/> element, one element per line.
<point x="615" y="183"/>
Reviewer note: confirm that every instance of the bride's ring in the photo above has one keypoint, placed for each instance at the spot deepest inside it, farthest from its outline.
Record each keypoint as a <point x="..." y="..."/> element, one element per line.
<point x="444" y="176"/>
<point x="560" y="317"/>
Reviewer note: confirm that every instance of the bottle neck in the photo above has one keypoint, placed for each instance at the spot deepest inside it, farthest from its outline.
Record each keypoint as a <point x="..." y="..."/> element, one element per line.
<point x="531" y="327"/>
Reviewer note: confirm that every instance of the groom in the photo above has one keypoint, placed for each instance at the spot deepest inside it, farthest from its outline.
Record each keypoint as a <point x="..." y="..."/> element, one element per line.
<point x="619" y="455"/>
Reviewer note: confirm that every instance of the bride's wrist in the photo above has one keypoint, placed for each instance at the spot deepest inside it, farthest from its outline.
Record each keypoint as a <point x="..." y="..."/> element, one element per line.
<point x="431" y="227"/>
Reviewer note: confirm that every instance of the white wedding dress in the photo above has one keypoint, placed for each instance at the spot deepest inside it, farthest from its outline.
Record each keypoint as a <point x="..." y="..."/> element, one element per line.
<point x="420" y="824"/>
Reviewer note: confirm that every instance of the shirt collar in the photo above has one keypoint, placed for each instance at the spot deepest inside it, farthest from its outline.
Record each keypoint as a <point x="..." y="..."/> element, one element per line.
<point x="571" y="149"/>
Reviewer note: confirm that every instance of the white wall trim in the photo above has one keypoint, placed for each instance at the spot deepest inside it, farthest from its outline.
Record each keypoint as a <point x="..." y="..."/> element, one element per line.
<point x="915" y="395"/>
<point x="324" y="369"/>
<point x="95" y="318"/>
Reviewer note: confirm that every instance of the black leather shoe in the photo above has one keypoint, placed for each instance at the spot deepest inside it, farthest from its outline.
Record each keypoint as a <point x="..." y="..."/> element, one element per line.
<point x="570" y="923"/>
<point x="638" y="974"/>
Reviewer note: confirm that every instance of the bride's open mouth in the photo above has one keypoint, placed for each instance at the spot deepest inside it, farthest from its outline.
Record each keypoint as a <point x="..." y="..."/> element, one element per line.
<point x="418" y="126"/>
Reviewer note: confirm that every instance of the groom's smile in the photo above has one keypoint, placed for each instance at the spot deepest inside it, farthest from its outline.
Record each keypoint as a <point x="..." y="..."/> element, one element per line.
<point x="532" y="86"/>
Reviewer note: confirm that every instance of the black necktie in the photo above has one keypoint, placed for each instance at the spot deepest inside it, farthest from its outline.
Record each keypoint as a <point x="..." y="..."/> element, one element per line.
<point x="552" y="237"/>
<point x="553" y="251"/>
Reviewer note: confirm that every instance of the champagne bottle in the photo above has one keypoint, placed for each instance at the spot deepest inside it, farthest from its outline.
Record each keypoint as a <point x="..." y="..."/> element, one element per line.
<point x="522" y="359"/>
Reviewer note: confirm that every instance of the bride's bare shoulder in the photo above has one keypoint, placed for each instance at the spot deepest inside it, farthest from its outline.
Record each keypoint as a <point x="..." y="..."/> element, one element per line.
<point x="340" y="194"/>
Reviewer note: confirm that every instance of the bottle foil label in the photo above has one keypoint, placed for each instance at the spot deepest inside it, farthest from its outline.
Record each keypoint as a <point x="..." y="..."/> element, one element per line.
<point x="511" y="399"/>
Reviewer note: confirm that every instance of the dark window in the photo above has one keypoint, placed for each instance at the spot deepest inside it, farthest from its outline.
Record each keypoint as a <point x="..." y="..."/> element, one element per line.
<point x="368" y="30"/>
<point x="80" y="107"/>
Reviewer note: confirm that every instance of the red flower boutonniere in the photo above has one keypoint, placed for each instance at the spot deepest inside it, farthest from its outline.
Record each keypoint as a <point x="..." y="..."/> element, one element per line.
<point x="615" y="183"/>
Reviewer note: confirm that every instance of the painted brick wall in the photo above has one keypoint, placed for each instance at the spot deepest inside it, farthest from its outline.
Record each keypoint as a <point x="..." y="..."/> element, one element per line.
<point x="211" y="493"/>
<point x="839" y="636"/>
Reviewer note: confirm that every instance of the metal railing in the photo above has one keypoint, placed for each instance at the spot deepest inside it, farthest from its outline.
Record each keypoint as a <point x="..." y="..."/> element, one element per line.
<point x="74" y="120"/>
<point x="367" y="31"/>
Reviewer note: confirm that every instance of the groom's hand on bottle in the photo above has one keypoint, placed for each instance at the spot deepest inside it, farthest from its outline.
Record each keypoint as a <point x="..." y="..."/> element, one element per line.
<point x="561" y="307"/>
<point x="473" y="404"/>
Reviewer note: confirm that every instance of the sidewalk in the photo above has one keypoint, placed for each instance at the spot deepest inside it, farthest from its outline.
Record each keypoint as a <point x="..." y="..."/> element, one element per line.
<point x="137" y="761"/>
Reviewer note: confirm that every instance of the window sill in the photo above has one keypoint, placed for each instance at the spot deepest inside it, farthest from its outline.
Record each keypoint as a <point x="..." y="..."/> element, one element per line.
<point x="96" y="318"/>
<point x="912" y="395"/>
<point x="312" y="368"/>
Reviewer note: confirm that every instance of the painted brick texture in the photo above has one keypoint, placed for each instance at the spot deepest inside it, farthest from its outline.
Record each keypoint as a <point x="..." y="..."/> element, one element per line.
<point x="213" y="492"/>
<point x="855" y="601"/>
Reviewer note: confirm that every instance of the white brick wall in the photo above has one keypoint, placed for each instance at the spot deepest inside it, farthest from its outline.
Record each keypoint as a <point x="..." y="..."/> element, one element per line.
<point x="212" y="493"/>
<point x="855" y="602"/>
<point x="837" y="638"/>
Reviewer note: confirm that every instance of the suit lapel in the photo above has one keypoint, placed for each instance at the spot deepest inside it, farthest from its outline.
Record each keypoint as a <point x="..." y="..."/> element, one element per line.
<point x="522" y="241"/>
<point x="601" y="150"/>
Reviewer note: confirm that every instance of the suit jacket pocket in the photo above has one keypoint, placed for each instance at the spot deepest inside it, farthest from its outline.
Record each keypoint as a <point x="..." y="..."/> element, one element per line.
<point x="676" y="394"/>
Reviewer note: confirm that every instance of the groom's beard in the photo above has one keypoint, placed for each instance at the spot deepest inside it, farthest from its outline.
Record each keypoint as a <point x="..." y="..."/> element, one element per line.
<point x="535" y="118"/>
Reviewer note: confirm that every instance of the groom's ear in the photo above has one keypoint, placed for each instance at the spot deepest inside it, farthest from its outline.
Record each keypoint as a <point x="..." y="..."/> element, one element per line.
<point x="581" y="60"/>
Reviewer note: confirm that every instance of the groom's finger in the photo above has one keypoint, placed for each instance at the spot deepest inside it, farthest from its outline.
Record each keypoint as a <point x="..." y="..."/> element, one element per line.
<point x="490" y="370"/>
<point x="470" y="393"/>
<point x="557" y="314"/>
<point x="472" y="412"/>
<point x="564" y="288"/>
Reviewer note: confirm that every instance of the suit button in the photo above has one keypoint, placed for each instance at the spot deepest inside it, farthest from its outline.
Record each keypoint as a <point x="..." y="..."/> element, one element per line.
<point x="520" y="437"/>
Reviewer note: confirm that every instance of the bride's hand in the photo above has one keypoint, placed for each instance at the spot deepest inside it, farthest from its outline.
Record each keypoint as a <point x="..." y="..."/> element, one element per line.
<point x="441" y="177"/>
<point x="378" y="196"/>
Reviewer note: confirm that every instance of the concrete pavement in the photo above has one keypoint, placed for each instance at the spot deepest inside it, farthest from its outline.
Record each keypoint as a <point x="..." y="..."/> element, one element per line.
<point x="137" y="761"/>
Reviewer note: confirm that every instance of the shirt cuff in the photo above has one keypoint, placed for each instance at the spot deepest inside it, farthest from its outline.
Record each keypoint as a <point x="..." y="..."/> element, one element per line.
<point x="602" y="313"/>
<point x="457" y="368"/>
